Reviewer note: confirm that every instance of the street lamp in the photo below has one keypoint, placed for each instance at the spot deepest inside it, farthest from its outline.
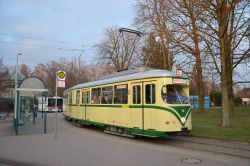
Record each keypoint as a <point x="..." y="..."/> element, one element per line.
<point x="16" y="70"/>
<point x="15" y="104"/>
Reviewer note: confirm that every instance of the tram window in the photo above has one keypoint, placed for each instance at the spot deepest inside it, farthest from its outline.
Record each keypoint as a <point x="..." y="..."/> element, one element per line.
<point x="70" y="98"/>
<point x="150" y="94"/>
<point x="84" y="97"/>
<point x="137" y="94"/>
<point x="65" y="96"/>
<point x="88" y="97"/>
<point x="173" y="94"/>
<point x="107" y="95"/>
<point x="96" y="96"/>
<point x="77" y="97"/>
<point x="121" y="94"/>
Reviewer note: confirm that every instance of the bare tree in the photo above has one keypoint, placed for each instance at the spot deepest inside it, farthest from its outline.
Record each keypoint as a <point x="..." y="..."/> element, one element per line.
<point x="152" y="53"/>
<point x="227" y="23"/>
<point x="4" y="73"/>
<point x="152" y="17"/>
<point x="25" y="70"/>
<point x="48" y="73"/>
<point x="117" y="50"/>
<point x="176" y="23"/>
<point x="184" y="22"/>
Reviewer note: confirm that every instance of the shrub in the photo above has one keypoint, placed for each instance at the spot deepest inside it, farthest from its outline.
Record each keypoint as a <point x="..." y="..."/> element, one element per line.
<point x="238" y="101"/>
<point x="215" y="97"/>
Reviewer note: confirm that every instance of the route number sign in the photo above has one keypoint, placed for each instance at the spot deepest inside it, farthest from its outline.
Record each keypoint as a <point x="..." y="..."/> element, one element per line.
<point x="179" y="72"/>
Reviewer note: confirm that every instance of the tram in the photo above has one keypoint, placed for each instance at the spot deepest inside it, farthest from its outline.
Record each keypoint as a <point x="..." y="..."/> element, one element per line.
<point x="138" y="102"/>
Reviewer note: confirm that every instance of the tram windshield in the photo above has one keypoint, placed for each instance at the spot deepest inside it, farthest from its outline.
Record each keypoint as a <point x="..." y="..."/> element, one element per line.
<point x="173" y="94"/>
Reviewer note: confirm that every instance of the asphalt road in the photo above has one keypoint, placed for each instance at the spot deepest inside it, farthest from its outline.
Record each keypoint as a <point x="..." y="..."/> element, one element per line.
<point x="91" y="147"/>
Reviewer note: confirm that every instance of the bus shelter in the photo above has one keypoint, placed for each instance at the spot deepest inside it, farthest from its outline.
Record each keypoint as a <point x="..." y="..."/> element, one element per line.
<point x="25" y="103"/>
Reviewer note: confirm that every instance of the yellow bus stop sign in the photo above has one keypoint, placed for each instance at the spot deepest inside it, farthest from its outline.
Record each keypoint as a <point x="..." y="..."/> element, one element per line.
<point x="61" y="75"/>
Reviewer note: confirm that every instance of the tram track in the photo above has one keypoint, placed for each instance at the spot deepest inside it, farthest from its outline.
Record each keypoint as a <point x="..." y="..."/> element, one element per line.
<point x="223" y="146"/>
<point x="208" y="145"/>
<point x="215" y="146"/>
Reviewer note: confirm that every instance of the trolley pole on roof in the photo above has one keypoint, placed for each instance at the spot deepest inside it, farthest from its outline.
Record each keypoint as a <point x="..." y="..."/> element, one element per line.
<point x="138" y="33"/>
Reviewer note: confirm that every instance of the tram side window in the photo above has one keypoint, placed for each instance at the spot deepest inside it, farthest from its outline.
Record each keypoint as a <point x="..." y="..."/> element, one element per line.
<point x="107" y="95"/>
<point x="96" y="96"/>
<point x="77" y="97"/>
<point x="83" y="97"/>
<point x="66" y="99"/>
<point x="70" y="98"/>
<point x="88" y="97"/>
<point x="121" y="94"/>
<point x="137" y="94"/>
<point x="150" y="94"/>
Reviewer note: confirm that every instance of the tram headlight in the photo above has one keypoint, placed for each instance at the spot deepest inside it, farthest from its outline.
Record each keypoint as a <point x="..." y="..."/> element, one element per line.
<point x="183" y="120"/>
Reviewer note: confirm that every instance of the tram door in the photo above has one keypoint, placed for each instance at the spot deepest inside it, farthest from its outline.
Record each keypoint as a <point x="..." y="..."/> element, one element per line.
<point x="143" y="97"/>
<point x="149" y="102"/>
<point x="137" y="105"/>
<point x="70" y="103"/>
<point x="85" y="102"/>
<point x="77" y="108"/>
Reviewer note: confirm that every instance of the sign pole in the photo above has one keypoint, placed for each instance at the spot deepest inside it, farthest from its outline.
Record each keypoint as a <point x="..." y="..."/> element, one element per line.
<point x="56" y="106"/>
<point x="60" y="82"/>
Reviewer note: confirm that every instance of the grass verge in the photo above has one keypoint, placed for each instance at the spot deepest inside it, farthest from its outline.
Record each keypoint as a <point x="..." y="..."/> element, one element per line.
<point x="208" y="124"/>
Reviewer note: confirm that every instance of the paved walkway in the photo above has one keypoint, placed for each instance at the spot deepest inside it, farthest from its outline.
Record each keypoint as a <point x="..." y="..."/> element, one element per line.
<point x="6" y="125"/>
<point x="90" y="146"/>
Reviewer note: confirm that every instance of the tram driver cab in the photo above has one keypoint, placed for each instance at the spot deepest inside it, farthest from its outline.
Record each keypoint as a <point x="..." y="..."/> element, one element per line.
<point x="174" y="94"/>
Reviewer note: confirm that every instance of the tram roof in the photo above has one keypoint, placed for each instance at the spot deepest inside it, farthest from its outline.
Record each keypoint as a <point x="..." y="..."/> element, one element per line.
<point x="134" y="74"/>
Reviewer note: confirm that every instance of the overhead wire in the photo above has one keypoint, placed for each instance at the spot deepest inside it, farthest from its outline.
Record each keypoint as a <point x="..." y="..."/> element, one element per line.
<point x="37" y="45"/>
<point x="60" y="47"/>
<point x="37" y="38"/>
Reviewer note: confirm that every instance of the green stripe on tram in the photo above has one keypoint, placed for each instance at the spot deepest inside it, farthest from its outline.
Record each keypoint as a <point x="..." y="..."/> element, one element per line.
<point x="102" y="105"/>
<point x="178" y="109"/>
<point x="182" y="111"/>
<point x="135" y="131"/>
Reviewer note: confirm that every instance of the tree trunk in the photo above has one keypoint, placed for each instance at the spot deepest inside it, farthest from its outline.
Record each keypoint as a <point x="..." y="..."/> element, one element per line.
<point x="200" y="85"/>
<point x="198" y="64"/>
<point x="230" y="86"/>
<point x="225" y="106"/>
<point x="223" y="13"/>
<point x="226" y="87"/>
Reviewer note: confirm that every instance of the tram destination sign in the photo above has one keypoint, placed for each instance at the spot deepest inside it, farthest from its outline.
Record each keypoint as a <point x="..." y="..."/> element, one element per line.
<point x="61" y="76"/>
<point x="179" y="81"/>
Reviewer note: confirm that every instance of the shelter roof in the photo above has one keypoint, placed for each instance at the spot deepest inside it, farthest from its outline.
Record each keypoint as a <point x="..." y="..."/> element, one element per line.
<point x="31" y="86"/>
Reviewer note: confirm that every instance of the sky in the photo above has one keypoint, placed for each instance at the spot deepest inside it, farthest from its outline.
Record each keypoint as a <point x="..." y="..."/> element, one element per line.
<point x="46" y="30"/>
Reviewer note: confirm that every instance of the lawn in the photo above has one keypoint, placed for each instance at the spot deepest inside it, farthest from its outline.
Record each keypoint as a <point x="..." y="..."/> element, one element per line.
<point x="207" y="124"/>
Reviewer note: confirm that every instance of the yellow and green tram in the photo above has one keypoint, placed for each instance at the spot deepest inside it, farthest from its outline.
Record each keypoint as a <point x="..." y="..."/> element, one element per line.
<point x="144" y="102"/>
